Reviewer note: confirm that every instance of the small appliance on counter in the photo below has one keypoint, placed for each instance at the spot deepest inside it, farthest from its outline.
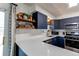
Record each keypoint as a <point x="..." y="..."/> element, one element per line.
<point x="49" y="34"/>
<point x="49" y="31"/>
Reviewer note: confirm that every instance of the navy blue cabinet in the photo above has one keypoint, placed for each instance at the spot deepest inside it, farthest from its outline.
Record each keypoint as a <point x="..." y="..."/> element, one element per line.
<point x="41" y="20"/>
<point x="54" y="41"/>
<point x="68" y="20"/>
<point x="60" y="24"/>
<point x="58" y="41"/>
<point x="57" y="24"/>
<point x="19" y="51"/>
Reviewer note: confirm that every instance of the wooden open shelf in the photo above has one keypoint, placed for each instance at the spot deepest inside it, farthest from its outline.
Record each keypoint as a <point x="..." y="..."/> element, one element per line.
<point x="25" y="20"/>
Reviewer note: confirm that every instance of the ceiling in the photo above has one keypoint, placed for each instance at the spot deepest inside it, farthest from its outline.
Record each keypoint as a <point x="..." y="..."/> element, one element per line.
<point x="58" y="9"/>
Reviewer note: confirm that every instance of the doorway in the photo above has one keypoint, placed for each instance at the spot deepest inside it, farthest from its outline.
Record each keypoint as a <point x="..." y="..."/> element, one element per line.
<point x="2" y="17"/>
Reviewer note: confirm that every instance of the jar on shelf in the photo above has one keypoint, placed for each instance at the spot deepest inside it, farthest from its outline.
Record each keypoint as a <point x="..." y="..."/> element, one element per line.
<point x="30" y="18"/>
<point x="20" y="16"/>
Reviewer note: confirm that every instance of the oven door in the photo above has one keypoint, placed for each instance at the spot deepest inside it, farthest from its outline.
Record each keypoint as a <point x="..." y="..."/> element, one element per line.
<point x="72" y="45"/>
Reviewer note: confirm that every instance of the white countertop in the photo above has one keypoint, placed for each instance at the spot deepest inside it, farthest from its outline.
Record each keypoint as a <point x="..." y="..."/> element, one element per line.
<point x="34" y="46"/>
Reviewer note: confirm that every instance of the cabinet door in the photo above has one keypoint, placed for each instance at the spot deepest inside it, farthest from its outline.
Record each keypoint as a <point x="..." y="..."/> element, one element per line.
<point x="21" y="53"/>
<point x="57" y="24"/>
<point x="18" y="51"/>
<point x="54" y="41"/>
<point x="35" y="17"/>
<point x="42" y="21"/>
<point x="60" y="41"/>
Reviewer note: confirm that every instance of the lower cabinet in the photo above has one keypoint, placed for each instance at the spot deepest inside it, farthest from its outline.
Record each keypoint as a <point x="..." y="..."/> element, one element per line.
<point x="58" y="41"/>
<point x="54" y="41"/>
<point x="19" y="51"/>
<point x="41" y="20"/>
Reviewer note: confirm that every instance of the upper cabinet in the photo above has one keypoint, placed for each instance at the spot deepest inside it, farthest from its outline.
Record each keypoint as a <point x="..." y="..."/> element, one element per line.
<point x="60" y="24"/>
<point x="41" y="20"/>
<point x="57" y="24"/>
<point x="68" y="20"/>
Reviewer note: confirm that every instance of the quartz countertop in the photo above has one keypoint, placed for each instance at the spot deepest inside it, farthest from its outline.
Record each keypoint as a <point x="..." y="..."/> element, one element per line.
<point x="33" y="45"/>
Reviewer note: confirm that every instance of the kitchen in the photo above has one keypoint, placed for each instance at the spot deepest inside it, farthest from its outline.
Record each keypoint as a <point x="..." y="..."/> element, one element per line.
<point x="45" y="29"/>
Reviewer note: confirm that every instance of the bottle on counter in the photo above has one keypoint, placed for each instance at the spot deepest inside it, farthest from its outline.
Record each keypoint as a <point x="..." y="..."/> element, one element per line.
<point x="49" y="34"/>
<point x="49" y="31"/>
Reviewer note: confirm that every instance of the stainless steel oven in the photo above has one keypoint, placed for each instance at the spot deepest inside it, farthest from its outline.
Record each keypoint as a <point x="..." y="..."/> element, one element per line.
<point x="72" y="41"/>
<point x="72" y="45"/>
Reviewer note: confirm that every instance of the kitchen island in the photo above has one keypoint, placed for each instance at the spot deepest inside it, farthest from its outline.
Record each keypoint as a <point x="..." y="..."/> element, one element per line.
<point x="33" y="45"/>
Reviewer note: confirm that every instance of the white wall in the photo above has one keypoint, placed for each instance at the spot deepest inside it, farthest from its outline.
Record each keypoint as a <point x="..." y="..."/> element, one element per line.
<point x="69" y="15"/>
<point x="27" y="8"/>
<point x="22" y="8"/>
<point x="31" y="8"/>
<point x="5" y="8"/>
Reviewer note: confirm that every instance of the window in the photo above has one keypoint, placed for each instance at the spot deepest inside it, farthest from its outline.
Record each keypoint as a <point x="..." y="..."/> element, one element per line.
<point x="2" y="14"/>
